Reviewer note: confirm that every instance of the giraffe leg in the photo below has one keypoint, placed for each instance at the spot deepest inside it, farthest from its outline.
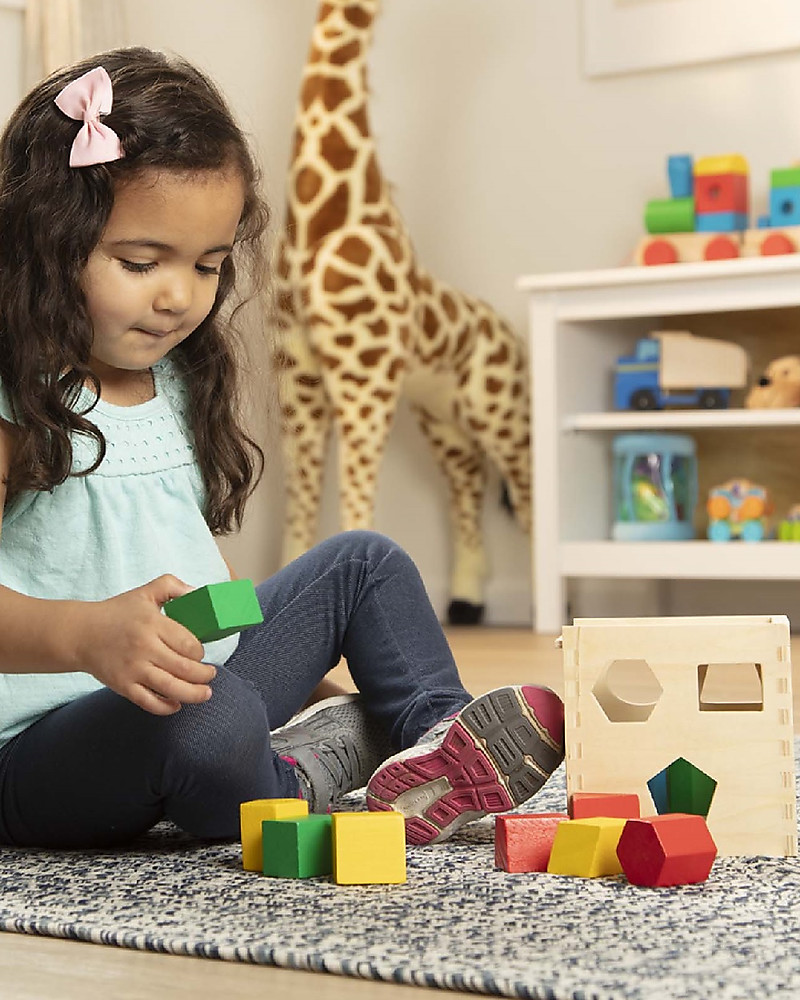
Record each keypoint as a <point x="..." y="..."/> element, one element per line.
<point x="463" y="465"/>
<point x="364" y="397"/>
<point x="305" y="424"/>
<point x="493" y="404"/>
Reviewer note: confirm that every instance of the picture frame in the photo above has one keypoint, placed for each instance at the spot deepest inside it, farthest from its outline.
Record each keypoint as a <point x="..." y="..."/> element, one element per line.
<point x="629" y="36"/>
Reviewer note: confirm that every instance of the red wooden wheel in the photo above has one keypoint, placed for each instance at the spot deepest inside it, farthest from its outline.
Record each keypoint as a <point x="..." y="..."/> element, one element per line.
<point x="721" y="248"/>
<point x="660" y="252"/>
<point x="777" y="243"/>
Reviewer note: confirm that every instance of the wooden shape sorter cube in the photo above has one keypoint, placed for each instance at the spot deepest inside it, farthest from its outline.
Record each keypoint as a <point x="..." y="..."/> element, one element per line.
<point x="614" y="743"/>
<point x="252" y="814"/>
<point x="297" y="848"/>
<point x="369" y="848"/>
<point x="522" y="842"/>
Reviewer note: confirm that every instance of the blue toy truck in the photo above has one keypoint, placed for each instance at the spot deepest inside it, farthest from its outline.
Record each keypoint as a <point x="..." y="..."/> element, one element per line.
<point x="676" y="368"/>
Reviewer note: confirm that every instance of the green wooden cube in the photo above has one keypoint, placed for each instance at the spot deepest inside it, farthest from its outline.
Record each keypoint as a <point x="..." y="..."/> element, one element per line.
<point x="217" y="610"/>
<point x="785" y="177"/>
<point x="297" y="848"/>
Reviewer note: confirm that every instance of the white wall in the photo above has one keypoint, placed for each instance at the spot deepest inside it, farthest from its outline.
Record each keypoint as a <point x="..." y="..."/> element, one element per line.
<point x="506" y="160"/>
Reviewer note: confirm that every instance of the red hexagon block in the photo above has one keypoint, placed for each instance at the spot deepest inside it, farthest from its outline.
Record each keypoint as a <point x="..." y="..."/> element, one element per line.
<point x="673" y="849"/>
<point x="522" y="842"/>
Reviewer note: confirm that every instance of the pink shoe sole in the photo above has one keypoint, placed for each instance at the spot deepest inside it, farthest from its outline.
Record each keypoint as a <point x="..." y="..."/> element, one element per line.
<point x="498" y="752"/>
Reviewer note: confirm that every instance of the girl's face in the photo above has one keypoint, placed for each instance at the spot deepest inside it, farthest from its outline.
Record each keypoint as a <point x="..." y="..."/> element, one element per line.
<point x="152" y="278"/>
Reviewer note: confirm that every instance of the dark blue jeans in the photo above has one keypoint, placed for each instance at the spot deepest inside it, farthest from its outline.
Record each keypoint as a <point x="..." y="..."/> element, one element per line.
<point x="100" y="771"/>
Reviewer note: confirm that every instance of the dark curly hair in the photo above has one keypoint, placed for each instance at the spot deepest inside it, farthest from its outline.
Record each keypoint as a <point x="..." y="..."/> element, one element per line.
<point x="169" y="116"/>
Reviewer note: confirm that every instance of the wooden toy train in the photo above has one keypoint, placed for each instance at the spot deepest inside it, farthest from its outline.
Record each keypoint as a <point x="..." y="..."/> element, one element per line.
<point x="707" y="216"/>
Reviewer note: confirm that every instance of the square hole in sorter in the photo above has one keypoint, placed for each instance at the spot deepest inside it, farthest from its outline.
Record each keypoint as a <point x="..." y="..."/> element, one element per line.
<point x="730" y="687"/>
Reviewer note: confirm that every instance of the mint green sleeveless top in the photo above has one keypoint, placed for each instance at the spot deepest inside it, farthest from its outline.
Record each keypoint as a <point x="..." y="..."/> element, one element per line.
<point x="140" y="514"/>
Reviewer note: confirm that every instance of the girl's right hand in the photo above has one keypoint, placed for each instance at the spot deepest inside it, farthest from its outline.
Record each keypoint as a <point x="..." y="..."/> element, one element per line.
<point x="134" y="649"/>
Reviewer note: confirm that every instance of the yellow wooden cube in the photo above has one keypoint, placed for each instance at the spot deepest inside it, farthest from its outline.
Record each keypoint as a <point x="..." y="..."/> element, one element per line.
<point x="369" y="848"/>
<point x="251" y="816"/>
<point x="587" y="847"/>
<point x="727" y="163"/>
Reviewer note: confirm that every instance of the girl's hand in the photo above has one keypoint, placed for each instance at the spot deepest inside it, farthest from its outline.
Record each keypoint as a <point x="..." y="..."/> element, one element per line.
<point x="134" y="649"/>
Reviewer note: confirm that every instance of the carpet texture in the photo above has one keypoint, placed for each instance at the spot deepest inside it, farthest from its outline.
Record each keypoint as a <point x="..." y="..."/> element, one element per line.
<point x="458" y="923"/>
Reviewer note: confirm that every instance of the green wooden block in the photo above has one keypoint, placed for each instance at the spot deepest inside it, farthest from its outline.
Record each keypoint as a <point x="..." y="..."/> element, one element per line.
<point x="785" y="177"/>
<point x="673" y="215"/>
<point x="297" y="848"/>
<point x="217" y="610"/>
<point x="689" y="790"/>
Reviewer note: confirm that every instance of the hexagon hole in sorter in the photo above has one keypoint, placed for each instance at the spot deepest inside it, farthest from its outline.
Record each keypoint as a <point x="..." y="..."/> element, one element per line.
<point x="627" y="691"/>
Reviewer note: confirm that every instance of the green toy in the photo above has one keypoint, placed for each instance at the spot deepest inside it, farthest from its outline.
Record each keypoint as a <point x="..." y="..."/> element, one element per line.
<point x="217" y="610"/>
<point x="297" y="848"/>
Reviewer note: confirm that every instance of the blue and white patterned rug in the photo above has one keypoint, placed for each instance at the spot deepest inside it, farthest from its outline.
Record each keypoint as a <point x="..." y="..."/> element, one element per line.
<point x="457" y="923"/>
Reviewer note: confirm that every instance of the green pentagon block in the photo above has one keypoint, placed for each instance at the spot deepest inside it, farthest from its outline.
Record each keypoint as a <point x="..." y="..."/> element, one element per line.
<point x="689" y="790"/>
<point x="297" y="848"/>
<point x="785" y="177"/>
<point x="217" y="610"/>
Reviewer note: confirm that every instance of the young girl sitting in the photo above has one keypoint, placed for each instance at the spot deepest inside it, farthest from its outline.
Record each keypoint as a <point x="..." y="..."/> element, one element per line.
<point x="129" y="210"/>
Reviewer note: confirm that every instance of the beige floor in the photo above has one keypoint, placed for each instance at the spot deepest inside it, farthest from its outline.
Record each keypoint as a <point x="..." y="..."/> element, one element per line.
<point x="39" y="968"/>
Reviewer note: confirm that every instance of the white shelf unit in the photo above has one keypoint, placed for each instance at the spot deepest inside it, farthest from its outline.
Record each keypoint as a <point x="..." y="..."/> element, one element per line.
<point x="579" y="323"/>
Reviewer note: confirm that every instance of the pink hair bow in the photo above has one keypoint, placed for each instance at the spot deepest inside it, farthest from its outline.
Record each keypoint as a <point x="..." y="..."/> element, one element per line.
<point x="86" y="99"/>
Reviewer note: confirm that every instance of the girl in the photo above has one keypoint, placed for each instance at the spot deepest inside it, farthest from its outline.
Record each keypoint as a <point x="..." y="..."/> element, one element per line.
<point x="129" y="210"/>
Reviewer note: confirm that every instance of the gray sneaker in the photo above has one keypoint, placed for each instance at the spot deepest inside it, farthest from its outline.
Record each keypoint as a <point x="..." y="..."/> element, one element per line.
<point x="335" y="746"/>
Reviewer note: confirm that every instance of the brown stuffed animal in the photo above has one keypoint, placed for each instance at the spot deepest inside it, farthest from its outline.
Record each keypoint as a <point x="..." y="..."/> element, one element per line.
<point x="778" y="387"/>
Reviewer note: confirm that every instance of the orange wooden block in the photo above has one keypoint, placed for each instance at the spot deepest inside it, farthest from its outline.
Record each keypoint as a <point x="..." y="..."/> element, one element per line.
<point x="522" y="842"/>
<point x="586" y="805"/>
<point x="674" y="849"/>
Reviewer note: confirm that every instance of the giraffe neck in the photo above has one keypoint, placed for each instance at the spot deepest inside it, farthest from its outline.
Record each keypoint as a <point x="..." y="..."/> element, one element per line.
<point x="335" y="179"/>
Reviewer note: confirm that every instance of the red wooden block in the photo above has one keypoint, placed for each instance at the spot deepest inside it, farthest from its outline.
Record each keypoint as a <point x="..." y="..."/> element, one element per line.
<point x="522" y="842"/>
<point x="673" y="849"/>
<point x="587" y="805"/>
<point x="721" y="193"/>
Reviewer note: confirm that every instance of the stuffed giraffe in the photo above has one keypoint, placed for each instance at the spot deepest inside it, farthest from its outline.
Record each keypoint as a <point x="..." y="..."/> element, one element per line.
<point x="360" y="323"/>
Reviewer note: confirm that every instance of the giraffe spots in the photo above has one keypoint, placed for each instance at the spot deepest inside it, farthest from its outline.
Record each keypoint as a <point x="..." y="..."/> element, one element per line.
<point x="357" y="16"/>
<point x="355" y="251"/>
<point x="449" y="306"/>
<point x="359" y="380"/>
<point x="386" y="279"/>
<point x="360" y="119"/>
<point x="500" y="356"/>
<point x="330" y="90"/>
<point x="330" y="361"/>
<point x="335" y="150"/>
<point x="344" y="340"/>
<point x="493" y="385"/>
<point x="379" y="327"/>
<point x="430" y="324"/>
<point x="383" y="220"/>
<point x="373" y="181"/>
<point x="393" y="245"/>
<point x="346" y="53"/>
<point x="284" y="361"/>
<point x="395" y="368"/>
<point x="371" y="357"/>
<point x="384" y="395"/>
<point x="308" y="381"/>
<point x="365" y="411"/>
<point x="350" y="310"/>
<point x="307" y="185"/>
<point x="335" y="281"/>
<point x="331" y="214"/>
